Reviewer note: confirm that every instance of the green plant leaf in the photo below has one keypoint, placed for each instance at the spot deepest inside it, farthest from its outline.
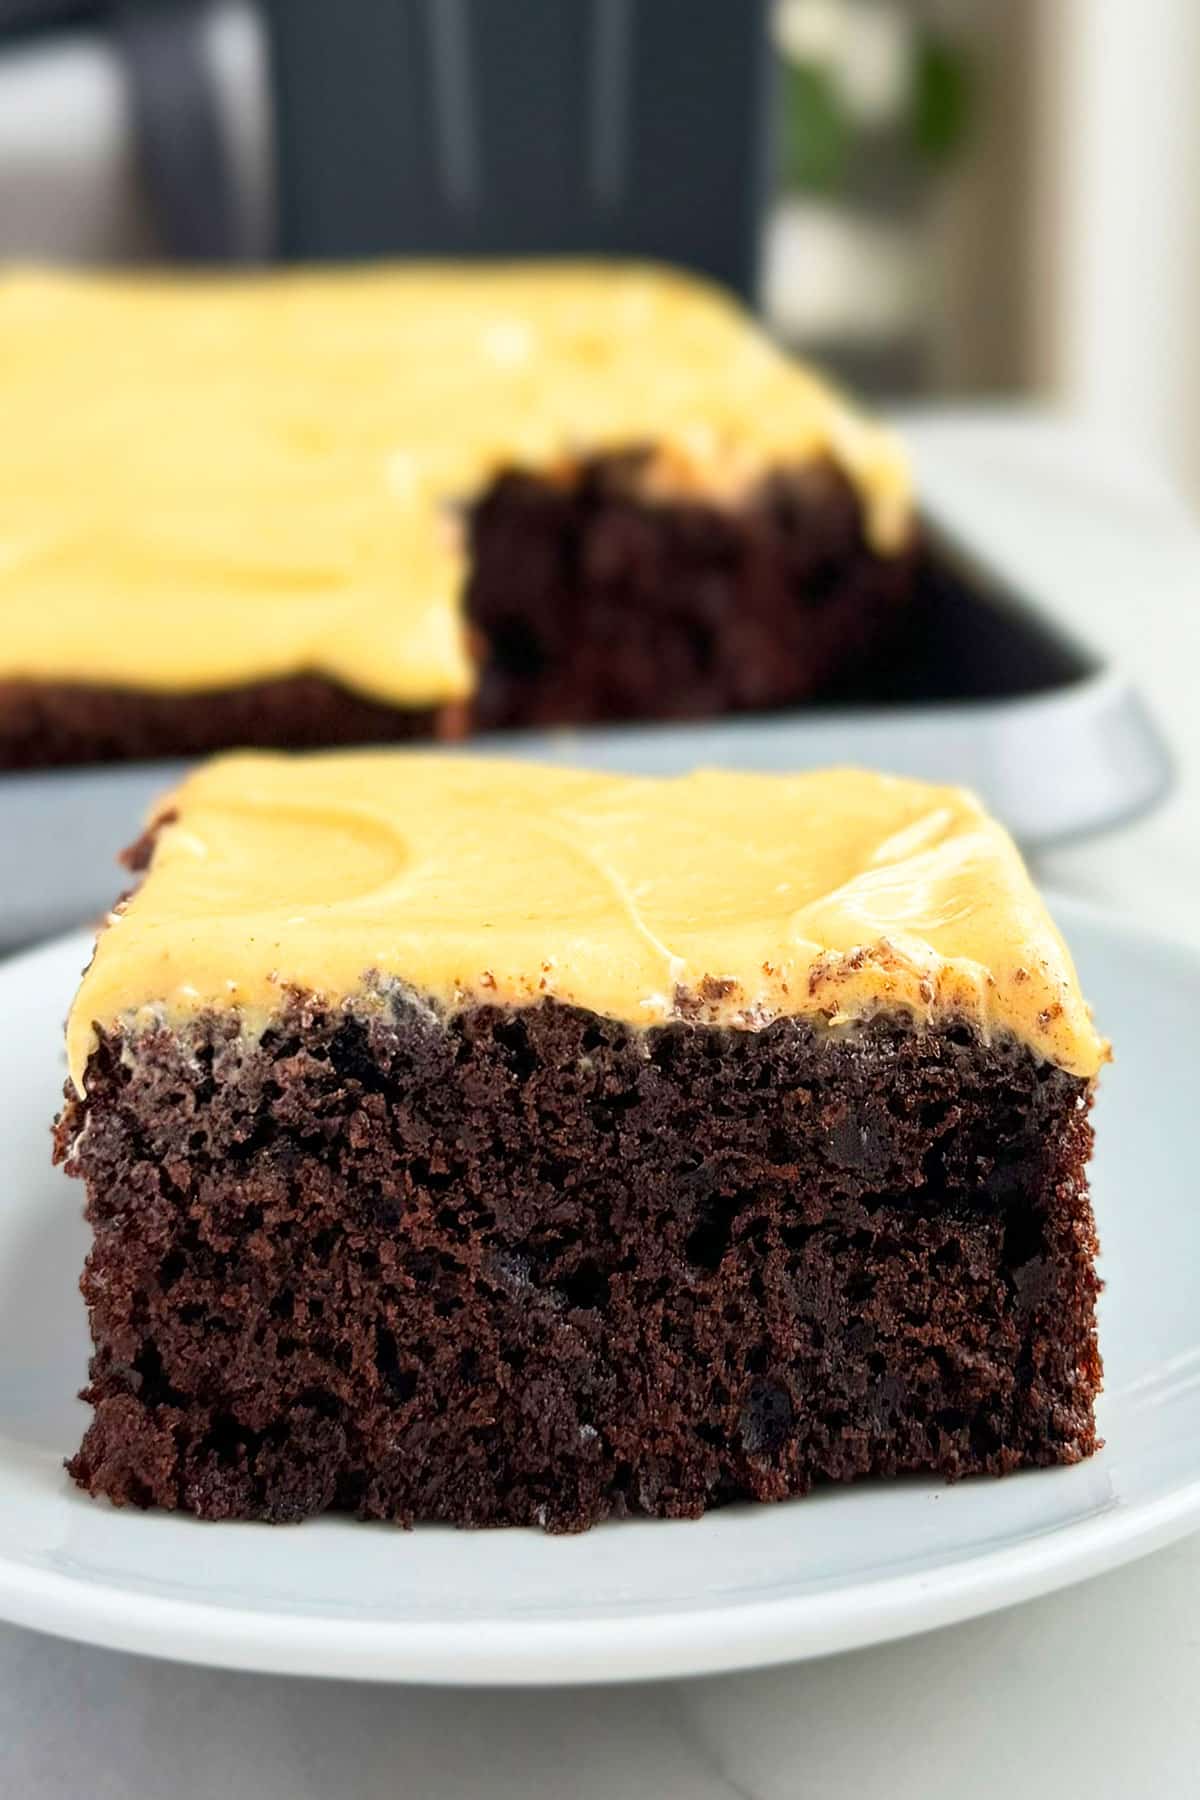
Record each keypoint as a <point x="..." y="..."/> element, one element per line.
<point x="942" y="97"/>
<point x="816" y="131"/>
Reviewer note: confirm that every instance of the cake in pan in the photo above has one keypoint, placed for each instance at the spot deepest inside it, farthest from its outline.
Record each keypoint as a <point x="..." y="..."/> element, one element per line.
<point x="503" y="1144"/>
<point x="312" y="508"/>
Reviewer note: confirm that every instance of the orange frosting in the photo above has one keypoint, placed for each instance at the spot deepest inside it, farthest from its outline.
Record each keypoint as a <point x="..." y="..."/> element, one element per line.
<point x="734" y="898"/>
<point x="206" y="482"/>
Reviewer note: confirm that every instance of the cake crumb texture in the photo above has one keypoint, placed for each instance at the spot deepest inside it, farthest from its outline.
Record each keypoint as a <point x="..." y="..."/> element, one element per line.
<point x="534" y="1267"/>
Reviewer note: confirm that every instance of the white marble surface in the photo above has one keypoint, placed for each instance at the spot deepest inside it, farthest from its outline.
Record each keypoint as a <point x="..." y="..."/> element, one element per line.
<point x="1092" y="1691"/>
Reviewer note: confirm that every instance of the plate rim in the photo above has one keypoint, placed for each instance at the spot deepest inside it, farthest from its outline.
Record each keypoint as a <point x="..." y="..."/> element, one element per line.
<point x="597" y="1652"/>
<point x="667" y="1644"/>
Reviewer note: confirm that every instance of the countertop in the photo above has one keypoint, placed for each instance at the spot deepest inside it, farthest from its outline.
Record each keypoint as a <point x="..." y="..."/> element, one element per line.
<point x="1091" y="1691"/>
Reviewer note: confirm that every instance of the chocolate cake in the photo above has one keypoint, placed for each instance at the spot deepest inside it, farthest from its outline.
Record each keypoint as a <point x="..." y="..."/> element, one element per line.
<point x="496" y="1144"/>
<point x="327" y="507"/>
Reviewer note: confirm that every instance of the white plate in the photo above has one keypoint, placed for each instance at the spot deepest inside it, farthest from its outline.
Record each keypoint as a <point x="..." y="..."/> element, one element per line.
<point x="741" y="1588"/>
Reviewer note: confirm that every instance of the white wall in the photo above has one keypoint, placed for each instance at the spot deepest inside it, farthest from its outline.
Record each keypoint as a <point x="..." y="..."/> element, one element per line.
<point x="1116" y="220"/>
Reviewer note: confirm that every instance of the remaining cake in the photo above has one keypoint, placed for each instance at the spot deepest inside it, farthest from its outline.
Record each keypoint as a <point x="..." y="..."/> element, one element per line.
<point x="311" y="508"/>
<point x="495" y="1143"/>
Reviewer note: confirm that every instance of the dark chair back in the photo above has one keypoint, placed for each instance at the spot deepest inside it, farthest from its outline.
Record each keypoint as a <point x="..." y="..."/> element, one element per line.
<point x="519" y="127"/>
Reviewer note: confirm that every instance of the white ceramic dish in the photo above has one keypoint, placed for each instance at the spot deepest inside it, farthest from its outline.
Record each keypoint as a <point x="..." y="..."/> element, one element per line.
<point x="742" y="1588"/>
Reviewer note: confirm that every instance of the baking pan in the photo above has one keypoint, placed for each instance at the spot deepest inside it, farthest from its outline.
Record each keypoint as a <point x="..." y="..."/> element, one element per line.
<point x="990" y="690"/>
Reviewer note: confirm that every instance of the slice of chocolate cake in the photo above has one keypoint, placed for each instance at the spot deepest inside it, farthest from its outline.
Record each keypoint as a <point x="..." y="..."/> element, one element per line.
<point x="368" y="505"/>
<point x="501" y="1144"/>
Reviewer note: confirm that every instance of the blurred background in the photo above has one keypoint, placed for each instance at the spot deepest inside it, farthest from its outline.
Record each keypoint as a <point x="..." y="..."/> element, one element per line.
<point x="941" y="198"/>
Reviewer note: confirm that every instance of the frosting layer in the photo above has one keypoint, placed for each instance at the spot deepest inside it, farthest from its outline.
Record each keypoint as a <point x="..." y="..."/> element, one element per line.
<point x="730" y="898"/>
<point x="210" y="481"/>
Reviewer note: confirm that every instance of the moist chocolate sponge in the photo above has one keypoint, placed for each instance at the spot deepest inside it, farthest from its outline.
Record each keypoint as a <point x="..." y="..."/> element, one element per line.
<point x="594" y="606"/>
<point x="535" y="1267"/>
